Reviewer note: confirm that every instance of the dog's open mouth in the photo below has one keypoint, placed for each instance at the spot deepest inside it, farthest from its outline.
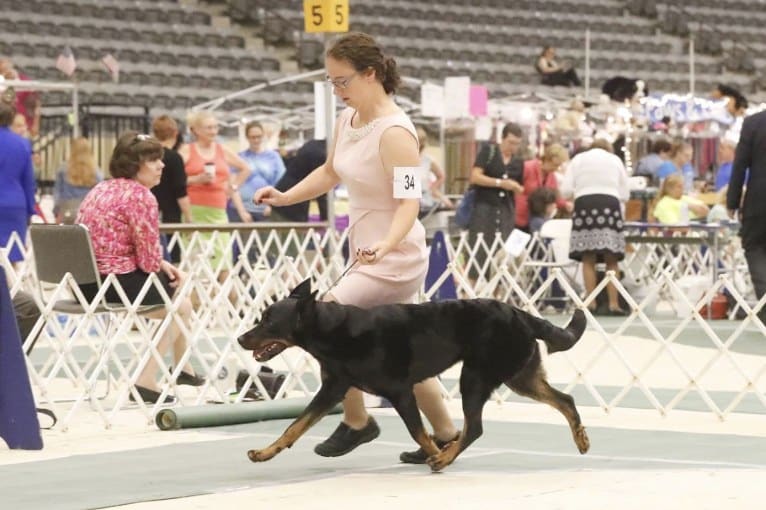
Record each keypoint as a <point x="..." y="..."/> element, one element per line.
<point x="269" y="350"/>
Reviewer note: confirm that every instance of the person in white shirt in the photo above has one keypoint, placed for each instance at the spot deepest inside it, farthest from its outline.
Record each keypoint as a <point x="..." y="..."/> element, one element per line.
<point x="598" y="181"/>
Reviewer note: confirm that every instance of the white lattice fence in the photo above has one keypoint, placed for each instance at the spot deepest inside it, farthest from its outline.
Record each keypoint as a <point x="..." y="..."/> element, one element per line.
<point x="662" y="355"/>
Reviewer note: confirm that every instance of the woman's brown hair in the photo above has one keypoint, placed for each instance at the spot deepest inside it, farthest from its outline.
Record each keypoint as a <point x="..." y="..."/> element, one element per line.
<point x="131" y="150"/>
<point x="363" y="52"/>
<point x="81" y="166"/>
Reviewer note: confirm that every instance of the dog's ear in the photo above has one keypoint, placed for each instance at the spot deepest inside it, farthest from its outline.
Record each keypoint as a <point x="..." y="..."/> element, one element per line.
<point x="303" y="290"/>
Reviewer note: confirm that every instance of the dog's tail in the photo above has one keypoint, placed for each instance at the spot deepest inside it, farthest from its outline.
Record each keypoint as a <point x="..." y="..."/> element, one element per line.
<point x="556" y="338"/>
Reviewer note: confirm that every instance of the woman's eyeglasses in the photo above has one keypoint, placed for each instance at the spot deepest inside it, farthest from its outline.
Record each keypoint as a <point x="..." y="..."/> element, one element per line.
<point x="341" y="83"/>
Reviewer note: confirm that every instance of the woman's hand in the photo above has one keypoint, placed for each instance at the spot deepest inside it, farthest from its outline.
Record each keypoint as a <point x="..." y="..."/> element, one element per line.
<point x="372" y="254"/>
<point x="511" y="185"/>
<point x="271" y="196"/>
<point x="175" y="275"/>
<point x="200" y="178"/>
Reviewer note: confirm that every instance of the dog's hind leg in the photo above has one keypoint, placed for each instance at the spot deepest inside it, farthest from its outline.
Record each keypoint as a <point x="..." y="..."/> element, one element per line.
<point x="530" y="382"/>
<point x="408" y="410"/>
<point x="329" y="395"/>
<point x="475" y="390"/>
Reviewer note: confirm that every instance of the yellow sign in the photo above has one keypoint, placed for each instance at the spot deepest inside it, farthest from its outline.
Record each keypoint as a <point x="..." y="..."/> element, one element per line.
<point x="325" y="15"/>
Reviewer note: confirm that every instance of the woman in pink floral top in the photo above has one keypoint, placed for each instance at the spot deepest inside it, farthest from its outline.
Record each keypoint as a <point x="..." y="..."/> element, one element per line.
<point x="122" y="216"/>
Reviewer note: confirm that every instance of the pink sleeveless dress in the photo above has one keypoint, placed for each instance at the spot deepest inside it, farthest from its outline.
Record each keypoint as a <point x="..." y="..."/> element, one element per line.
<point x="398" y="276"/>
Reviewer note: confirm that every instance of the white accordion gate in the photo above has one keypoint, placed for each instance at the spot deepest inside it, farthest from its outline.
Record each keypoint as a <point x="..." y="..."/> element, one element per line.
<point x="665" y="355"/>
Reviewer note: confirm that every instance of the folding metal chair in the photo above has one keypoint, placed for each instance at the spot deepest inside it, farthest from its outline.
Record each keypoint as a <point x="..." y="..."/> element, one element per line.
<point x="64" y="259"/>
<point x="554" y="236"/>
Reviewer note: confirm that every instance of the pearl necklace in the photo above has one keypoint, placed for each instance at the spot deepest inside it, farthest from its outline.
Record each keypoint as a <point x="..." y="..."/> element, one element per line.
<point x="356" y="134"/>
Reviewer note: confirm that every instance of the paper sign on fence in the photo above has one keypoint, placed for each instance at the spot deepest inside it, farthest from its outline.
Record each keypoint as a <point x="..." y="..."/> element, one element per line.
<point x="516" y="242"/>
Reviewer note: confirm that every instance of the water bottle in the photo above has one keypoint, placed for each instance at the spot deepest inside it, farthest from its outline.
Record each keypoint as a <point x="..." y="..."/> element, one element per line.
<point x="683" y="217"/>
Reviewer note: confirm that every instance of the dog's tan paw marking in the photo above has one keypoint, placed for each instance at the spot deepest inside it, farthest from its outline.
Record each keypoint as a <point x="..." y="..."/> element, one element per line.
<point x="260" y="455"/>
<point x="439" y="461"/>
<point x="581" y="439"/>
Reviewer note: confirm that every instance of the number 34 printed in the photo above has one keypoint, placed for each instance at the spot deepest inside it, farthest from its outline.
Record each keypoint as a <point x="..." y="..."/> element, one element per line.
<point x="407" y="182"/>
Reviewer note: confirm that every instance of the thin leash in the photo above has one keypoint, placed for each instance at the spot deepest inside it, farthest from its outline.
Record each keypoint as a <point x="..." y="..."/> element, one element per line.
<point x="344" y="273"/>
<point x="350" y="266"/>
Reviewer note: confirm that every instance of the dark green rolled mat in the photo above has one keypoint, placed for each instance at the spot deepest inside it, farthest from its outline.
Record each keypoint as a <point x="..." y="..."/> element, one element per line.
<point x="215" y="415"/>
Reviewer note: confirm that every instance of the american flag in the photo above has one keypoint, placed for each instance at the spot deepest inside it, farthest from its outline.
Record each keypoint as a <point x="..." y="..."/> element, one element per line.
<point x="112" y="66"/>
<point x="66" y="62"/>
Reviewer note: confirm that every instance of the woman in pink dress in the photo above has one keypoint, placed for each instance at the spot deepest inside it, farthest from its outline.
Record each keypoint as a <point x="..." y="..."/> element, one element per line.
<point x="372" y="136"/>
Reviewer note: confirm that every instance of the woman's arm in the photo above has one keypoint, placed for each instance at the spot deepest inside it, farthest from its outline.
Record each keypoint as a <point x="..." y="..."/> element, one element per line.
<point x="240" y="164"/>
<point x="236" y="201"/>
<point x="698" y="208"/>
<point x="321" y="180"/>
<point x="436" y="185"/>
<point x="478" y="178"/>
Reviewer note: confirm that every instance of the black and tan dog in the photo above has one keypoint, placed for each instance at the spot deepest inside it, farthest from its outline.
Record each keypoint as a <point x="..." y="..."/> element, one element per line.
<point x="385" y="350"/>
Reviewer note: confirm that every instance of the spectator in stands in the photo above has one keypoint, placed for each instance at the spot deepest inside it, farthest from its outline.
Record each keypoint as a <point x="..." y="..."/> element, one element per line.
<point x="649" y="165"/>
<point x="123" y="219"/>
<point x="673" y="207"/>
<point x="496" y="174"/>
<point x="750" y="155"/>
<point x="74" y="179"/>
<point x="681" y="154"/>
<point x="553" y="72"/>
<point x="726" y="148"/>
<point x="17" y="184"/>
<point x="27" y="101"/>
<point x="309" y="157"/>
<point x="432" y="177"/>
<point x="266" y="168"/>
<point x="541" y="173"/>
<point x="373" y="136"/>
<point x="598" y="181"/>
<point x="209" y="182"/>
<point x="542" y="207"/>
<point x="172" y="197"/>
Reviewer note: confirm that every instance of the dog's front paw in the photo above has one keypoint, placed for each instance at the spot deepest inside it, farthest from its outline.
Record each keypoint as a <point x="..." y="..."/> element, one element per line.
<point x="581" y="439"/>
<point x="439" y="461"/>
<point x="261" y="455"/>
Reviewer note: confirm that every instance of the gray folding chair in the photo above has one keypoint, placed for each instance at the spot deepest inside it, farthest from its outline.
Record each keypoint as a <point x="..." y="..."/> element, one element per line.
<point x="64" y="253"/>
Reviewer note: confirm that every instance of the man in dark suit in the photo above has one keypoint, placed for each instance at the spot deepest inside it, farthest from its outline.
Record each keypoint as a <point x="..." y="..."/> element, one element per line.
<point x="751" y="154"/>
<point x="311" y="155"/>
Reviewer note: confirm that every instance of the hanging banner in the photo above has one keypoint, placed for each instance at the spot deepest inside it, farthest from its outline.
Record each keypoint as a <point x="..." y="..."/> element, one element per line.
<point x="431" y="100"/>
<point x="457" y="97"/>
<point x="479" y="97"/>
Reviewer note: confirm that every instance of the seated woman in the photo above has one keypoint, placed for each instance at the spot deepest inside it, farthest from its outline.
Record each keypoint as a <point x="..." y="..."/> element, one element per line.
<point x="123" y="219"/>
<point x="74" y="179"/>
<point x="554" y="73"/>
<point x="671" y="202"/>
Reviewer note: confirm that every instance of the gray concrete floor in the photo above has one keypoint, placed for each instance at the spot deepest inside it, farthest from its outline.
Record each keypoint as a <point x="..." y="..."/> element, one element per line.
<point x="533" y="464"/>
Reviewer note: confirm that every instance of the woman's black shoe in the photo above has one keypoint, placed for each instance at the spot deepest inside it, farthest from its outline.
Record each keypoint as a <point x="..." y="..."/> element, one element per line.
<point x="151" y="396"/>
<point x="189" y="379"/>
<point x="345" y="439"/>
